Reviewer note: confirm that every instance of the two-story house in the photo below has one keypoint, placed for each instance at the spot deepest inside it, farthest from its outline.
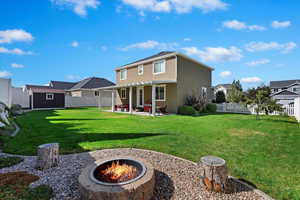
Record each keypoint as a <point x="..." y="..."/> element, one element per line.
<point x="285" y="91"/>
<point x="163" y="80"/>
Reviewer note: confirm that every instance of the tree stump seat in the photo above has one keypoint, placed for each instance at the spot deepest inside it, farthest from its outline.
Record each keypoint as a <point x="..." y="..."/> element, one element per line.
<point x="214" y="173"/>
<point x="48" y="156"/>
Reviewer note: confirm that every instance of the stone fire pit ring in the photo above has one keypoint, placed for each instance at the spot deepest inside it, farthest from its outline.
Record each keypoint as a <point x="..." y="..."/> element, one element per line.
<point x="141" y="188"/>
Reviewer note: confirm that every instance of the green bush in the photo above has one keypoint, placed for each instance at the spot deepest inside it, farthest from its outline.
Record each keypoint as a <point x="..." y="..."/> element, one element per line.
<point x="211" y="108"/>
<point x="186" y="110"/>
<point x="16" y="109"/>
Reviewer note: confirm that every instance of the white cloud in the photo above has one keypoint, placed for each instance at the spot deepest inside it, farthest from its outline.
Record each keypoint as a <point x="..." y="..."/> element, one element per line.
<point x="74" y="44"/>
<point x="180" y="6"/>
<point x="187" y="39"/>
<point x="15" y="51"/>
<point x="151" y="44"/>
<point x="278" y="24"/>
<point x="15" y="65"/>
<point x="225" y="74"/>
<point x="258" y="62"/>
<point x="251" y="80"/>
<point x="216" y="54"/>
<point x="5" y="74"/>
<point x="73" y="77"/>
<point x="238" y="25"/>
<point x="15" y="35"/>
<point x="79" y="6"/>
<point x="266" y="46"/>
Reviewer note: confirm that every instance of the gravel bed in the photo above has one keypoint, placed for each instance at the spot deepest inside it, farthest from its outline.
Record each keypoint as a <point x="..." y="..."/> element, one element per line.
<point x="176" y="178"/>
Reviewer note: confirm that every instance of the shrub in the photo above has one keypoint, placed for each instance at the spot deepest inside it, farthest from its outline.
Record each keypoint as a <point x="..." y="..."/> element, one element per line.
<point x="211" y="108"/>
<point x="186" y="110"/>
<point x="16" y="109"/>
<point x="220" y="97"/>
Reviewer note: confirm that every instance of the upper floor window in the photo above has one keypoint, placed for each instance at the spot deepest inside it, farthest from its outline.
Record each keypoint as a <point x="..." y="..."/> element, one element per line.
<point x="97" y="93"/>
<point x="140" y="70"/>
<point x="123" y="74"/>
<point x="123" y="93"/>
<point x="159" y="67"/>
<point x="49" y="96"/>
<point x="297" y="89"/>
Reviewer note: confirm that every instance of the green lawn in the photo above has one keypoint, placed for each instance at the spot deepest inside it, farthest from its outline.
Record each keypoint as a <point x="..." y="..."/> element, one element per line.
<point x="265" y="152"/>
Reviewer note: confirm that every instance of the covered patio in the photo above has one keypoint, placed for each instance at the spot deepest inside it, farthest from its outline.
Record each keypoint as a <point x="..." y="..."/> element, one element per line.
<point x="146" y="98"/>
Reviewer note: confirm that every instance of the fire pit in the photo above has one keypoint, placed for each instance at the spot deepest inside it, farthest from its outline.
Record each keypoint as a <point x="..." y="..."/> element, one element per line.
<point x="117" y="179"/>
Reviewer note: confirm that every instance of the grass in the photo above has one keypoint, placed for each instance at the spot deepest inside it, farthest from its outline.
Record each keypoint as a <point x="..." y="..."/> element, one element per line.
<point x="9" y="161"/>
<point x="265" y="152"/>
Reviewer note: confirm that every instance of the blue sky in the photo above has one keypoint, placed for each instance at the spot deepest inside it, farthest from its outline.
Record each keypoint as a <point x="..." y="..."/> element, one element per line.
<point x="255" y="41"/>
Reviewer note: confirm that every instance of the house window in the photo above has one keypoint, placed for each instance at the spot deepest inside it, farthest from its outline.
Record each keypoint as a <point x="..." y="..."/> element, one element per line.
<point x="160" y="93"/>
<point x="123" y="74"/>
<point x="297" y="89"/>
<point x="123" y="93"/>
<point x="97" y="93"/>
<point x="49" y="96"/>
<point x="276" y="90"/>
<point x="159" y="67"/>
<point x="140" y="70"/>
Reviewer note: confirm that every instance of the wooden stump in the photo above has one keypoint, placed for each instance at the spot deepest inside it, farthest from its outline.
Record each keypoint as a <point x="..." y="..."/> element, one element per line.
<point x="48" y="155"/>
<point x="214" y="173"/>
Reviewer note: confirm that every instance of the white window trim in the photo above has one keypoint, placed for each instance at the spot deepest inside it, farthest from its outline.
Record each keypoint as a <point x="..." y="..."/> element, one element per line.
<point x="142" y="67"/>
<point x="122" y="89"/>
<point x="164" y="68"/>
<point x="47" y="98"/>
<point x="165" y="93"/>
<point x="123" y="70"/>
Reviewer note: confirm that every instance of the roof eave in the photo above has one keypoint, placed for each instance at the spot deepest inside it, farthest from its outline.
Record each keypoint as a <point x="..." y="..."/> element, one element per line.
<point x="163" y="57"/>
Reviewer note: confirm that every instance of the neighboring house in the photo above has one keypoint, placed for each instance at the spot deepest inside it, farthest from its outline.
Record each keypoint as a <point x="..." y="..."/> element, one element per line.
<point x="285" y="91"/>
<point x="163" y="80"/>
<point x="6" y="91"/>
<point x="59" y="94"/>
<point x="85" y="87"/>
<point x="222" y="87"/>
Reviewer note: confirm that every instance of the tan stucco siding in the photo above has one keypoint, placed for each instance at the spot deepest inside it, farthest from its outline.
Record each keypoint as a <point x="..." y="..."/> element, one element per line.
<point x="133" y="77"/>
<point x="191" y="78"/>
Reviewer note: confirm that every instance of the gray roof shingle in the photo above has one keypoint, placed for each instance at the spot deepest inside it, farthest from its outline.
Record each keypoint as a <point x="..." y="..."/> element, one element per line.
<point x="282" y="84"/>
<point x="285" y="92"/>
<point x="91" y="83"/>
<point x="62" y="85"/>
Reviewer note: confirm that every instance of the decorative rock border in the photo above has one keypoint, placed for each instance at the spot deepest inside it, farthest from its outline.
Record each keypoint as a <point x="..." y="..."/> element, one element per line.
<point x="176" y="178"/>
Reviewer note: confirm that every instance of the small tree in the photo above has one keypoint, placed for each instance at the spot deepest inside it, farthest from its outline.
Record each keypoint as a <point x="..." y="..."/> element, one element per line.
<point x="262" y="102"/>
<point x="220" y="97"/>
<point x="235" y="93"/>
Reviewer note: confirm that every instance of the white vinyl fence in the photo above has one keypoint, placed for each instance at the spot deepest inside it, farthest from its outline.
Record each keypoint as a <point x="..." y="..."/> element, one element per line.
<point x="20" y="97"/>
<point x="233" y="108"/>
<point x="75" y="102"/>
<point x="297" y="109"/>
<point x="240" y="108"/>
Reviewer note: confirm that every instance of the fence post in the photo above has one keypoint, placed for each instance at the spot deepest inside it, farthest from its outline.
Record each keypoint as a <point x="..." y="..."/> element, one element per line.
<point x="297" y="109"/>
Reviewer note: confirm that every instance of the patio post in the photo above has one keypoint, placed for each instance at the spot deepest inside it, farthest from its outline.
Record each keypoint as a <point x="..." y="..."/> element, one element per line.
<point x="130" y="99"/>
<point x="99" y="99"/>
<point x="113" y="101"/>
<point x="153" y="100"/>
